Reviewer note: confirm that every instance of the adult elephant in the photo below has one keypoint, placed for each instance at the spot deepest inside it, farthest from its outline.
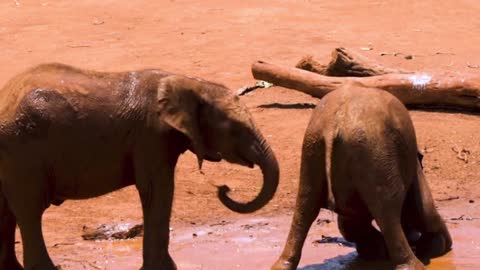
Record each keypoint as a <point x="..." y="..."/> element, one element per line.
<point x="67" y="133"/>
<point x="360" y="160"/>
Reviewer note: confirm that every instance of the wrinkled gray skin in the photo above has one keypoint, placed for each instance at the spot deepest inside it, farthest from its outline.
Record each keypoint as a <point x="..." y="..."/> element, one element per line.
<point x="360" y="159"/>
<point x="67" y="133"/>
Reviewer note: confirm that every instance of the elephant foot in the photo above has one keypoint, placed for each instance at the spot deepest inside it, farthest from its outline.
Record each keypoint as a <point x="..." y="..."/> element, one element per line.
<point x="165" y="264"/>
<point x="414" y="264"/>
<point x="432" y="245"/>
<point x="160" y="267"/>
<point x="282" y="264"/>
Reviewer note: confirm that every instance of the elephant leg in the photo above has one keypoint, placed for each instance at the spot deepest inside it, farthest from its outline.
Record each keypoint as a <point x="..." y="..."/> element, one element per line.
<point x="386" y="208"/>
<point x="34" y="249"/>
<point x="368" y="240"/>
<point x="156" y="193"/>
<point x="8" y="260"/>
<point x="312" y="195"/>
<point x="27" y="200"/>
<point x="435" y="240"/>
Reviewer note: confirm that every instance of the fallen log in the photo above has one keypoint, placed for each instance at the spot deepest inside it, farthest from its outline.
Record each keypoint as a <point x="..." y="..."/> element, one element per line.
<point x="346" y="63"/>
<point x="448" y="90"/>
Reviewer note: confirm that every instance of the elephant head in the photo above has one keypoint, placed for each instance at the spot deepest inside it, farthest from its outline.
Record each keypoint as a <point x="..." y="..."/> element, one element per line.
<point x="219" y="127"/>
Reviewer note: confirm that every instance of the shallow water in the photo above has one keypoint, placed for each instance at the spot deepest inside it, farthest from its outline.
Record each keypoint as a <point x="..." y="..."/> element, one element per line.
<point x="255" y="244"/>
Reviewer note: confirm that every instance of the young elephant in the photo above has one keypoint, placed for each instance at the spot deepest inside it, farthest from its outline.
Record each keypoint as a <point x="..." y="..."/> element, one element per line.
<point x="67" y="133"/>
<point x="359" y="159"/>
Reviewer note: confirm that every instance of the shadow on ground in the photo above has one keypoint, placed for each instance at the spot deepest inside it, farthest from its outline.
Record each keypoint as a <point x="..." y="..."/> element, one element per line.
<point x="276" y="105"/>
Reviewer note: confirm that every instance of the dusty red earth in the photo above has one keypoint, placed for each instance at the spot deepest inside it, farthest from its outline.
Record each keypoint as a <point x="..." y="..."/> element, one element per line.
<point x="218" y="40"/>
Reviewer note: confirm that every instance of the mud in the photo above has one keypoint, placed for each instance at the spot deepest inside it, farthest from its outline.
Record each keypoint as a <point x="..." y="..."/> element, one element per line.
<point x="255" y="243"/>
<point x="112" y="232"/>
<point x="219" y="40"/>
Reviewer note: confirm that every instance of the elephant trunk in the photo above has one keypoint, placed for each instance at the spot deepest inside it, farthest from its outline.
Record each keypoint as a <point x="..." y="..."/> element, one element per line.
<point x="262" y="155"/>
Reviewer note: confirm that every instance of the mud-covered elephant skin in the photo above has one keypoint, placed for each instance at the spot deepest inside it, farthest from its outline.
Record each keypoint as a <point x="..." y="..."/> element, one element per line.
<point x="360" y="159"/>
<point x="67" y="133"/>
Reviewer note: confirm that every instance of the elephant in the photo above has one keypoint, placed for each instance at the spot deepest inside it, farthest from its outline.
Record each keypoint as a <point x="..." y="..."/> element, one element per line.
<point x="360" y="159"/>
<point x="69" y="133"/>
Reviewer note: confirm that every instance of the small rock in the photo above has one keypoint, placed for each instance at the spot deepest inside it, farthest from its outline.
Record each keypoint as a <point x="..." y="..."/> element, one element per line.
<point x="427" y="150"/>
<point x="97" y="21"/>
<point x="194" y="235"/>
<point x="471" y="201"/>
<point x="409" y="57"/>
<point x="366" y="48"/>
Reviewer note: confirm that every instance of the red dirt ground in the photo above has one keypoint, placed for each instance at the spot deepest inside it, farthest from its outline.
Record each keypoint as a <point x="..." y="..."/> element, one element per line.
<point x="218" y="40"/>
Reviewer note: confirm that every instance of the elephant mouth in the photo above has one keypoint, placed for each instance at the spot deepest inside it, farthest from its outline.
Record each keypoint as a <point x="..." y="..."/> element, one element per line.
<point x="246" y="162"/>
<point x="240" y="159"/>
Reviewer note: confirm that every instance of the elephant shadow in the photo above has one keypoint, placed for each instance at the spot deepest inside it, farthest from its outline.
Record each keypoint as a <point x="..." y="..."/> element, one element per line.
<point x="349" y="261"/>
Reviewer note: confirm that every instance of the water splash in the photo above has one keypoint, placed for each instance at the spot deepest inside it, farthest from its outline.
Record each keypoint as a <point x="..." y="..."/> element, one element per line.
<point x="420" y="81"/>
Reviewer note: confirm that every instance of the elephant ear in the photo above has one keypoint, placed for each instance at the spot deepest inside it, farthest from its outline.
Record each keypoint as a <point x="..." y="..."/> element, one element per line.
<point x="179" y="107"/>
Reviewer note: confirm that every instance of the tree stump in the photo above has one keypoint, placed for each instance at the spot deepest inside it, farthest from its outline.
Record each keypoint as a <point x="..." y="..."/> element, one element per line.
<point x="346" y="63"/>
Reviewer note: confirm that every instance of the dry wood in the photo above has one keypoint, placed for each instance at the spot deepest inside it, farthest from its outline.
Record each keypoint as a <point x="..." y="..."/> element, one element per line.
<point x="448" y="90"/>
<point x="309" y="63"/>
<point x="346" y="63"/>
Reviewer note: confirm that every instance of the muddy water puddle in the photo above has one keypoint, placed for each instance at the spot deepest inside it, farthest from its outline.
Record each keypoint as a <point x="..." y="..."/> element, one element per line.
<point x="255" y="244"/>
